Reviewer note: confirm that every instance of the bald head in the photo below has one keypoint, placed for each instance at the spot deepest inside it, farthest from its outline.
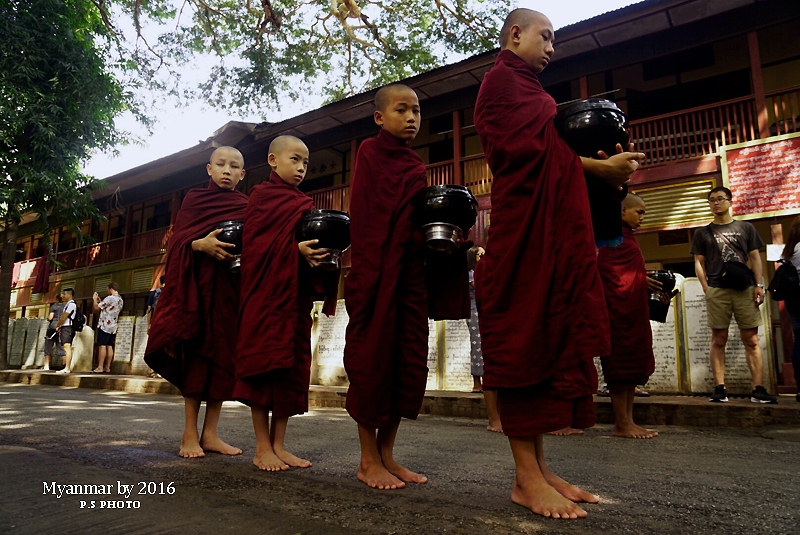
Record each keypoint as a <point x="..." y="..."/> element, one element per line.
<point x="632" y="200"/>
<point x="227" y="152"/>
<point x="283" y="143"/>
<point x="522" y="17"/>
<point x="386" y="94"/>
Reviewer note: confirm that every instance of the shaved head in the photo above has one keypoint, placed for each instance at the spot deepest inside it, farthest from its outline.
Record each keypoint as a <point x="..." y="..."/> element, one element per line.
<point x="632" y="200"/>
<point x="283" y="143"/>
<point x="521" y="17"/>
<point x="384" y="95"/>
<point x="229" y="150"/>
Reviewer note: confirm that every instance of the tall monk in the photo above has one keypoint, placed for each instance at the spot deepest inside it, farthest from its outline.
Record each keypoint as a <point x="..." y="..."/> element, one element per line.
<point x="193" y="334"/>
<point x="540" y="265"/>
<point x="387" y="338"/>
<point x="631" y="360"/>
<point x="273" y="365"/>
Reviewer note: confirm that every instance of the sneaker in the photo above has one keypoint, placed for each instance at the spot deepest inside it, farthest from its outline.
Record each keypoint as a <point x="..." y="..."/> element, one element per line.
<point x="720" y="395"/>
<point x="760" y="395"/>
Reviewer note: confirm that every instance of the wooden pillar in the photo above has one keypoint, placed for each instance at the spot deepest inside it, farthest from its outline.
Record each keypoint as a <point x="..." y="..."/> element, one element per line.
<point x="584" y="85"/>
<point x="758" y="84"/>
<point x="776" y="230"/>
<point x="458" y="175"/>
<point x="128" y="228"/>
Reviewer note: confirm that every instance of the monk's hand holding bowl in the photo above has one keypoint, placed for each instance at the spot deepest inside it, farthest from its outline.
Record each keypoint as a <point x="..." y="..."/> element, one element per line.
<point x="653" y="285"/>
<point x="616" y="170"/>
<point x="212" y="246"/>
<point x="312" y="256"/>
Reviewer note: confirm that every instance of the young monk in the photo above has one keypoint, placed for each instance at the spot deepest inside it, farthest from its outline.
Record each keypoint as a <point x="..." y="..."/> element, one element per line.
<point x="193" y="334"/>
<point x="273" y="365"/>
<point x="540" y="264"/>
<point x="631" y="360"/>
<point x="385" y="354"/>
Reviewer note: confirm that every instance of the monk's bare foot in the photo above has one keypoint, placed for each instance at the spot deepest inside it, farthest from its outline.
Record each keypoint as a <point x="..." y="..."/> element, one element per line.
<point x="217" y="445"/>
<point x="566" y="432"/>
<point x="570" y="492"/>
<point x="404" y="473"/>
<point x="378" y="477"/>
<point x="191" y="449"/>
<point x="633" y="431"/>
<point x="649" y="432"/>
<point x="291" y="460"/>
<point x="267" y="460"/>
<point x="494" y="427"/>
<point x="544" y="500"/>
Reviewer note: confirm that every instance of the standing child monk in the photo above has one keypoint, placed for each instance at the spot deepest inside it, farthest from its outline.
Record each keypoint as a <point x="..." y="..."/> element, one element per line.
<point x="385" y="292"/>
<point x="192" y="337"/>
<point x="273" y="365"/>
<point x="631" y="360"/>
<point x="540" y="265"/>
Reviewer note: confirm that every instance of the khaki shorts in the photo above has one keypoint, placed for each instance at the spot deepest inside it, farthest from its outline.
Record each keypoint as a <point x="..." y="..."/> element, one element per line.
<point x="721" y="303"/>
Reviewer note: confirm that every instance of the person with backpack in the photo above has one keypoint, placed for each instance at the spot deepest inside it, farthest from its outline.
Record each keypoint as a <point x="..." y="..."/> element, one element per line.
<point x="109" y="308"/>
<point x="721" y="252"/>
<point x="67" y="326"/>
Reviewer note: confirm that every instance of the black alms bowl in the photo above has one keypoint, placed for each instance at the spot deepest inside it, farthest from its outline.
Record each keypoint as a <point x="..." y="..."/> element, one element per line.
<point x="659" y="310"/>
<point x="231" y="233"/>
<point x="445" y="213"/>
<point x="331" y="228"/>
<point x="592" y="125"/>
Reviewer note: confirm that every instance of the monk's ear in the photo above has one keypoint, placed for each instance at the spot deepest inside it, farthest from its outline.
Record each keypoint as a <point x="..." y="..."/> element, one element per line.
<point x="208" y="168"/>
<point x="272" y="160"/>
<point x="378" y="116"/>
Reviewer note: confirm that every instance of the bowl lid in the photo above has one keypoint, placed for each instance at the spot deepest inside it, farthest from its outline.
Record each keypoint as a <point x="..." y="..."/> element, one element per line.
<point x="230" y="223"/>
<point x="589" y="104"/>
<point x="448" y="190"/>
<point x="318" y="215"/>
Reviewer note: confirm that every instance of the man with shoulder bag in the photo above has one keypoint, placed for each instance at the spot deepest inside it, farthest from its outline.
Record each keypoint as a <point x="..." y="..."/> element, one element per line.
<point x="721" y="252"/>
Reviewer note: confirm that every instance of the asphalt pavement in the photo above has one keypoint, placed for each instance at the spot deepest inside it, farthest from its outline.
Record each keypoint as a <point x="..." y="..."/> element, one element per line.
<point x="69" y="457"/>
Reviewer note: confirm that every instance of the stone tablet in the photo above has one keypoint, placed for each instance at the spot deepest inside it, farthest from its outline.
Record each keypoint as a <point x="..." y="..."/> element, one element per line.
<point x="698" y="344"/>
<point x="331" y="330"/>
<point x="31" y="343"/>
<point x="138" y="365"/>
<point x="39" y="361"/>
<point x="83" y="350"/>
<point x="123" y="343"/>
<point x="457" y="373"/>
<point x="18" y="342"/>
<point x="10" y="337"/>
<point x="665" y="378"/>
<point x="435" y="331"/>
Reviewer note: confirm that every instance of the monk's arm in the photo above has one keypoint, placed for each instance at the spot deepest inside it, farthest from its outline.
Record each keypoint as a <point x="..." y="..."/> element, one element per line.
<point x="616" y="170"/>
<point x="755" y="261"/>
<point x="700" y="270"/>
<point x="212" y="246"/>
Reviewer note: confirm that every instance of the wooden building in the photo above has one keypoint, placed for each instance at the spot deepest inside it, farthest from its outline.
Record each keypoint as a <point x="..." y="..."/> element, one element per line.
<point x="694" y="76"/>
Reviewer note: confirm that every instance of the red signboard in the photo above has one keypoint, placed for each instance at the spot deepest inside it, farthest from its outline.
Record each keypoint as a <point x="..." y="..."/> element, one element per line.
<point x="764" y="176"/>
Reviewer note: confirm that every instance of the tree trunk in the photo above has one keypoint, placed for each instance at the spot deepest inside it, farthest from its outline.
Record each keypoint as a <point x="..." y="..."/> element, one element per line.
<point x="6" y="272"/>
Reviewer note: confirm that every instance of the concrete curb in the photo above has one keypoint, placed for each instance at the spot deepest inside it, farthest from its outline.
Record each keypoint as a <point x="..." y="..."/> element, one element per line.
<point x="655" y="410"/>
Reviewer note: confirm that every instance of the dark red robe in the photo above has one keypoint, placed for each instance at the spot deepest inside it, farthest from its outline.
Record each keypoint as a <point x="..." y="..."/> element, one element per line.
<point x="193" y="332"/>
<point x="631" y="360"/>
<point x="387" y="337"/>
<point x="542" y="311"/>
<point x="273" y="364"/>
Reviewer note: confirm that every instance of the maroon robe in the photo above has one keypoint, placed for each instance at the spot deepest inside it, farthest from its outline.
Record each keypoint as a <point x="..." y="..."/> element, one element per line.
<point x="273" y="364"/>
<point x="386" y="349"/>
<point x="631" y="360"/>
<point x="542" y="311"/>
<point x="193" y="332"/>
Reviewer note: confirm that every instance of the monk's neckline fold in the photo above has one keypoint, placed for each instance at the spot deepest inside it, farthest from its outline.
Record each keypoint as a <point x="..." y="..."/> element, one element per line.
<point x="389" y="138"/>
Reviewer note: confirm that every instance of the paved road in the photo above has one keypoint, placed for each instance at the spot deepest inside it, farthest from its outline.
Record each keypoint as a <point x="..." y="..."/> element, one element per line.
<point x="685" y="481"/>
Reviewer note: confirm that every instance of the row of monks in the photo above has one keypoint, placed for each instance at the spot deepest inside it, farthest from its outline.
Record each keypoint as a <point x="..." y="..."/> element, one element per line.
<point x="540" y="296"/>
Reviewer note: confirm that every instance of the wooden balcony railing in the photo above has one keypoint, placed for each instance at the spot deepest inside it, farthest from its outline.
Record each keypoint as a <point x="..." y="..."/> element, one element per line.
<point x="440" y="173"/>
<point x="695" y="132"/>
<point x="783" y="108"/>
<point x="477" y="176"/>
<point x="334" y="198"/>
<point x="150" y="243"/>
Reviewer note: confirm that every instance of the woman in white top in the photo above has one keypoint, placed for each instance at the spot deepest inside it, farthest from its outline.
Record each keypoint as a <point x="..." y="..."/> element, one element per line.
<point x="791" y="252"/>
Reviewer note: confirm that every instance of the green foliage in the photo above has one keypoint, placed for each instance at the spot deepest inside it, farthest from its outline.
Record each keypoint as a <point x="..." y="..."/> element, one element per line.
<point x="57" y="103"/>
<point x="270" y="49"/>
